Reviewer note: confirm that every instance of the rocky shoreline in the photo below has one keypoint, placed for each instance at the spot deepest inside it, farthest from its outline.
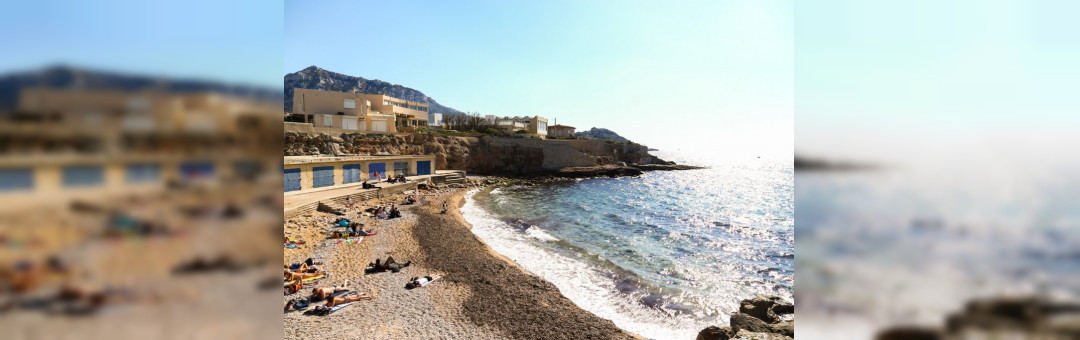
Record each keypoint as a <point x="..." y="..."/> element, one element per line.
<point x="763" y="317"/>
<point x="1031" y="317"/>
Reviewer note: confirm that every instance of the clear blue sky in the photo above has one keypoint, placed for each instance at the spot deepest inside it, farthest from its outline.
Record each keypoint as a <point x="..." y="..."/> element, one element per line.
<point x="229" y="41"/>
<point x="910" y="79"/>
<point x="710" y="75"/>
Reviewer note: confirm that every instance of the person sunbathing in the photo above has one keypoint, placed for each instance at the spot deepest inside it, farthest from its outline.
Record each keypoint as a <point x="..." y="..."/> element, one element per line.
<point x="302" y="268"/>
<point x="97" y="297"/>
<point x="319" y="294"/>
<point x="350" y="297"/>
<point x="418" y="282"/>
<point x="390" y="265"/>
<point x="293" y="276"/>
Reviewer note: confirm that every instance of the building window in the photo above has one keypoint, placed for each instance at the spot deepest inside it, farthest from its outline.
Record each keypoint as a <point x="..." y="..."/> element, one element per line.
<point x="83" y="175"/>
<point x="400" y="168"/>
<point x="386" y="102"/>
<point x="350" y="103"/>
<point x="412" y="107"/>
<point x="142" y="173"/>
<point x="328" y="120"/>
<point x="16" y="179"/>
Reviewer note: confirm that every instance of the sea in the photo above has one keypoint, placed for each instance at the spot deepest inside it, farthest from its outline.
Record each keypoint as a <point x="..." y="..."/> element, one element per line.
<point x="909" y="244"/>
<point x="662" y="255"/>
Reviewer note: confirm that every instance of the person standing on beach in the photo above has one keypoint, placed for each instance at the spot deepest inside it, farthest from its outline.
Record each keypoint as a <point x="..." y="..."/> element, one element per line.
<point x="443" y="207"/>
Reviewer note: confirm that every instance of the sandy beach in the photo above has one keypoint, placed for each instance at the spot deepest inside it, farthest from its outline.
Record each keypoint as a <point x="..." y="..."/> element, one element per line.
<point x="481" y="296"/>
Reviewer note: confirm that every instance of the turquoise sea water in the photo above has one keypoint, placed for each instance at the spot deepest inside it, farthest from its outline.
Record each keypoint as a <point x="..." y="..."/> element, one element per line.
<point x="662" y="255"/>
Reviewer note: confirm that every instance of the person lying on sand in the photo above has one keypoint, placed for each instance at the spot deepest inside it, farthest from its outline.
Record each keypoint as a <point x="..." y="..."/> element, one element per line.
<point x="417" y="282"/>
<point x="390" y="265"/>
<point x="308" y="266"/>
<point x="95" y="298"/>
<point x="25" y="276"/>
<point x="293" y="276"/>
<point x="350" y="297"/>
<point x="319" y="294"/>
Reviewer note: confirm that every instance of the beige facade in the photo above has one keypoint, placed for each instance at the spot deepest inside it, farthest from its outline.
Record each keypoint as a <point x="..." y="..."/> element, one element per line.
<point x="301" y="171"/>
<point x="146" y="111"/>
<point x="340" y="110"/>
<point x="90" y="144"/>
<point x="559" y="130"/>
<point x="51" y="177"/>
<point x="408" y="113"/>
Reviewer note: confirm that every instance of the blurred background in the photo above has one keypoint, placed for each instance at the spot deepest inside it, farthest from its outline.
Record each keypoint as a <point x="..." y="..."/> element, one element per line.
<point x="936" y="166"/>
<point x="138" y="143"/>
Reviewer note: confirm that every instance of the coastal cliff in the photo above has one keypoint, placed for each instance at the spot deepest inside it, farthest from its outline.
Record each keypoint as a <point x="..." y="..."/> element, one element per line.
<point x="487" y="155"/>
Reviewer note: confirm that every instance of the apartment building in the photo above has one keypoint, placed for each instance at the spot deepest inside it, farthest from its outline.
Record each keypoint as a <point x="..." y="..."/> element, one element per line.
<point x="535" y="125"/>
<point x="91" y="144"/>
<point x="341" y="110"/>
<point x="407" y="113"/>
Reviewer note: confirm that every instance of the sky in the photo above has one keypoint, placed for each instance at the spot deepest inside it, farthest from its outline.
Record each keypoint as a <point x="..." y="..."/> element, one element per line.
<point x="709" y="76"/>
<point x="927" y="81"/>
<point x="237" y="42"/>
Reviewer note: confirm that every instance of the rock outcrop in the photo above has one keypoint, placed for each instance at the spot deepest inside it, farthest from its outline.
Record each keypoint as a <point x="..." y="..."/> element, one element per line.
<point x="1030" y="317"/>
<point x="761" y="317"/>
<point x="485" y="155"/>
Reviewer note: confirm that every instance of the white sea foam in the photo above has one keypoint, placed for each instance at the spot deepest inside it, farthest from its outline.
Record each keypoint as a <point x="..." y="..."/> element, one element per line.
<point x="587" y="286"/>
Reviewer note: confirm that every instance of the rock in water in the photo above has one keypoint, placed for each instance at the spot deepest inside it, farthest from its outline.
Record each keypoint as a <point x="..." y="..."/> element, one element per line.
<point x="715" y="333"/>
<point x="761" y="307"/>
<point x="741" y="321"/>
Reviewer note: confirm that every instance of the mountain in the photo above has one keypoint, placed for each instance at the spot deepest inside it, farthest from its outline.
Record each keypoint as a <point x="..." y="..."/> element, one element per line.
<point x="317" y="78"/>
<point x="63" y="76"/>
<point x="601" y="133"/>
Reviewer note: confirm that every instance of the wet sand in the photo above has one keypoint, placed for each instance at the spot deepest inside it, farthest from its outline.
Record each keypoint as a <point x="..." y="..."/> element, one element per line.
<point x="481" y="296"/>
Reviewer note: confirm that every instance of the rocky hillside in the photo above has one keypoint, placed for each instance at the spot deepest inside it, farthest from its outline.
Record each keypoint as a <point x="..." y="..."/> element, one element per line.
<point x="317" y="78"/>
<point x="476" y="155"/>
<point x="601" y="133"/>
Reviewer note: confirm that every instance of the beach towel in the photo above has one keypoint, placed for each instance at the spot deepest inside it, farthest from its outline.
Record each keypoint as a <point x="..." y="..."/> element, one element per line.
<point x="323" y="310"/>
<point x="353" y="240"/>
<point x="291" y="246"/>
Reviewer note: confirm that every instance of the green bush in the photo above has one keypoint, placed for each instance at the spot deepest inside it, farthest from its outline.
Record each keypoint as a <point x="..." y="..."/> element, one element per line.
<point x="521" y="131"/>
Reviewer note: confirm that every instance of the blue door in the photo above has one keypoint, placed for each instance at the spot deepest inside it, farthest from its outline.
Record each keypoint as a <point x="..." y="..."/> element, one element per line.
<point x="194" y="170"/>
<point x="379" y="168"/>
<point x="16" y="179"/>
<point x="351" y="173"/>
<point x="401" y="168"/>
<point x="323" y="176"/>
<point x="423" y="168"/>
<point x="143" y="173"/>
<point x="83" y="175"/>
<point x="292" y="179"/>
